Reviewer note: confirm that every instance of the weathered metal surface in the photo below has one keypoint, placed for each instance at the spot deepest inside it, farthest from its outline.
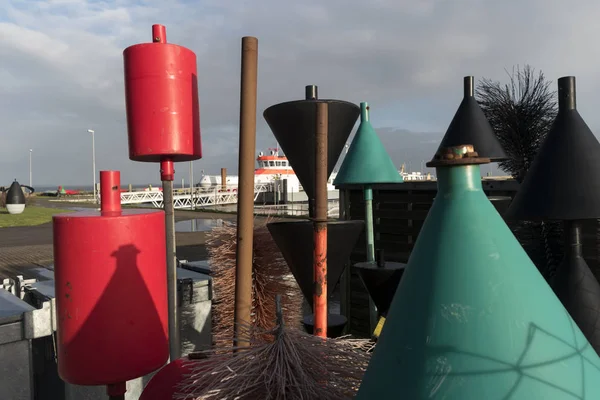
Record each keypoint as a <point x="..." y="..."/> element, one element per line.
<point x="320" y="223"/>
<point x="245" y="205"/>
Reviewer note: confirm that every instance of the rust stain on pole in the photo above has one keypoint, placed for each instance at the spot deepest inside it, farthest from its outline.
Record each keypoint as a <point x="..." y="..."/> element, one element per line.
<point x="245" y="205"/>
<point x="224" y="177"/>
<point x="320" y="222"/>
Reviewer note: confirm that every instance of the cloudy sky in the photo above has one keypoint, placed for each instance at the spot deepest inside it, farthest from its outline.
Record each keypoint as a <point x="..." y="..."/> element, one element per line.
<point x="61" y="69"/>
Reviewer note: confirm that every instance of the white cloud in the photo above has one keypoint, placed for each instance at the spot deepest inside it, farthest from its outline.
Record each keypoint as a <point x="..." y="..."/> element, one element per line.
<point x="61" y="66"/>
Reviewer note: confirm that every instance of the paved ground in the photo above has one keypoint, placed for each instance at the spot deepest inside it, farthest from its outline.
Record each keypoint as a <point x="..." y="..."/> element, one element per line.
<point x="22" y="248"/>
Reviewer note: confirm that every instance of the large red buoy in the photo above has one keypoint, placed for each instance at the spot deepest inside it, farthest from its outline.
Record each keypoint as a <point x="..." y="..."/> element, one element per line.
<point x="161" y="93"/>
<point x="163" y="124"/>
<point x="111" y="291"/>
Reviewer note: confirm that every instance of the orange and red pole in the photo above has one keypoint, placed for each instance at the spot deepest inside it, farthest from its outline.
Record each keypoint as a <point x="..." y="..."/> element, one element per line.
<point x="320" y="222"/>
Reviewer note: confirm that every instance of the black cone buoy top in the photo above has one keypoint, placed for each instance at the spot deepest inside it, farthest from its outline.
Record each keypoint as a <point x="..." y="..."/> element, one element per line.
<point x="563" y="182"/>
<point x="15" y="194"/>
<point x="295" y="241"/>
<point x="470" y="125"/>
<point x="293" y="123"/>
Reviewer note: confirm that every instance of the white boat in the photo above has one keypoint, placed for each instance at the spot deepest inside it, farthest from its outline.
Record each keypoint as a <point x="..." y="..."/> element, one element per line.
<point x="414" y="176"/>
<point x="271" y="167"/>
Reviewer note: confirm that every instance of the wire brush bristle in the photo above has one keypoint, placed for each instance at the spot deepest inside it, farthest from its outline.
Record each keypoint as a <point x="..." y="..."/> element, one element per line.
<point x="281" y="363"/>
<point x="271" y="276"/>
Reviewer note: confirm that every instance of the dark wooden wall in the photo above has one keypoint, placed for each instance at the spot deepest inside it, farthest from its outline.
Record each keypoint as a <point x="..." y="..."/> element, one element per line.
<point x="399" y="211"/>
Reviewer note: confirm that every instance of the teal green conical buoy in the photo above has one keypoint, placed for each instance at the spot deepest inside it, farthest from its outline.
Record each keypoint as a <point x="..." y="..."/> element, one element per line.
<point x="367" y="162"/>
<point x="472" y="318"/>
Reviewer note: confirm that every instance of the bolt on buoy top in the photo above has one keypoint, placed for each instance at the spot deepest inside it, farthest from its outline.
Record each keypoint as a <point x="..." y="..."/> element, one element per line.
<point x="457" y="155"/>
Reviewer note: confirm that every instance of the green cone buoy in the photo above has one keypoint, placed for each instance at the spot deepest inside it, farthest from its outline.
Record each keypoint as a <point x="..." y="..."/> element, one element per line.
<point x="472" y="318"/>
<point x="367" y="161"/>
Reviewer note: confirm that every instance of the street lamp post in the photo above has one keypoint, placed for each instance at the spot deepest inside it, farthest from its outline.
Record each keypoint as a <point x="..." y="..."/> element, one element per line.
<point x="30" y="170"/>
<point x="94" y="162"/>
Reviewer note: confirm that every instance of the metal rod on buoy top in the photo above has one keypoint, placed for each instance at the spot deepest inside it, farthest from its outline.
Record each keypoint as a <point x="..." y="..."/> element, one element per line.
<point x="320" y="222"/>
<point x="159" y="33"/>
<point x="311" y="92"/>
<point x="469" y="84"/>
<point x="167" y="174"/>
<point x="110" y="192"/>
<point x="566" y="93"/>
<point x="245" y="204"/>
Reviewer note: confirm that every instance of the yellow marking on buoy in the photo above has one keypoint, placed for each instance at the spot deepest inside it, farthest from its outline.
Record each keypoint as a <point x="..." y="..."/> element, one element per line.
<point x="379" y="327"/>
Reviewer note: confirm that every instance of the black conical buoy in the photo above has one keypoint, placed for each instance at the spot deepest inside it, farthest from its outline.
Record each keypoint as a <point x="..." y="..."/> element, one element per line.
<point x="470" y="126"/>
<point x="295" y="240"/>
<point x="15" y="199"/>
<point x="563" y="183"/>
<point x="293" y="123"/>
<point x="381" y="282"/>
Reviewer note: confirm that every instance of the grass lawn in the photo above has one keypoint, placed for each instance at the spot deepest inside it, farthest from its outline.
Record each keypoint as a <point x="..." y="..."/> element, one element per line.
<point x="32" y="215"/>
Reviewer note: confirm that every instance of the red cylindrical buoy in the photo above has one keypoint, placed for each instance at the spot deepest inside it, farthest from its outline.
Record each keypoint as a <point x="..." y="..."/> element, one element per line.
<point x="111" y="291"/>
<point x="161" y="93"/>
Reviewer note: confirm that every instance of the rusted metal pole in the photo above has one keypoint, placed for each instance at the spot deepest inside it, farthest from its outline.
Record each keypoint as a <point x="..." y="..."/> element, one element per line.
<point x="245" y="205"/>
<point x="320" y="222"/>
<point x="224" y="177"/>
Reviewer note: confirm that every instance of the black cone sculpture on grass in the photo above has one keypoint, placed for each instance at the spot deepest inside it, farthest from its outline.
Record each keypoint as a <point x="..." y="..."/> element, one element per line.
<point x="293" y="124"/>
<point x="295" y="240"/>
<point x="15" y="199"/>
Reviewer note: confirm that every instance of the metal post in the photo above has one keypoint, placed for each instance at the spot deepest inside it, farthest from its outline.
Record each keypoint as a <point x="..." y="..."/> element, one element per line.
<point x="311" y="93"/>
<point x="370" y="236"/>
<point x="369" y="224"/>
<point x="93" y="162"/>
<point x="224" y="178"/>
<point x="193" y="206"/>
<point x="284" y="191"/>
<point x="245" y="204"/>
<point x="167" y="173"/>
<point x="30" y="169"/>
<point x="320" y="222"/>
